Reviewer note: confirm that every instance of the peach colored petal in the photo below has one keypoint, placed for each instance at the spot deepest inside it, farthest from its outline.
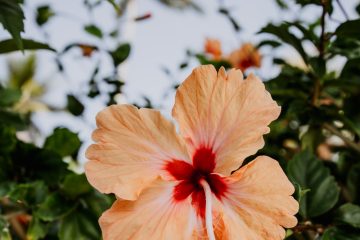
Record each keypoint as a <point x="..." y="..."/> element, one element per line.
<point x="132" y="146"/>
<point x="224" y="112"/>
<point x="154" y="215"/>
<point x="258" y="203"/>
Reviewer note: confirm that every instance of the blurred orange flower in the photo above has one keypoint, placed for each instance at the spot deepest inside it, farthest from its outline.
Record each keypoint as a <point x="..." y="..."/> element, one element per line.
<point x="179" y="185"/>
<point x="244" y="57"/>
<point x="213" y="47"/>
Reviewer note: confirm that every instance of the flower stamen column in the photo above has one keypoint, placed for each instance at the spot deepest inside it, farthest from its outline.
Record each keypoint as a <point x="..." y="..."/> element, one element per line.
<point x="208" y="210"/>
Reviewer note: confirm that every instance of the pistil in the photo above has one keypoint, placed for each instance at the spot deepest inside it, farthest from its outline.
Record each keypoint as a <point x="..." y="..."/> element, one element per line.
<point x="208" y="209"/>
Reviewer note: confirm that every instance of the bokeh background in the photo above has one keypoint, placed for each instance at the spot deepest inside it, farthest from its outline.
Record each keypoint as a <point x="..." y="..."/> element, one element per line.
<point x="93" y="53"/>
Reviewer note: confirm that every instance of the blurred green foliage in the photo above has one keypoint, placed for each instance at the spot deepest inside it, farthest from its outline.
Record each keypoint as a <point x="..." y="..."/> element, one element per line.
<point x="42" y="197"/>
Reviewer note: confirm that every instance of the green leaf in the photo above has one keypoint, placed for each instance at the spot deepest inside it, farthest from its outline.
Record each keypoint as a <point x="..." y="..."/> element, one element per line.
<point x="335" y="233"/>
<point x="74" y="106"/>
<point x="79" y="225"/>
<point x="29" y="193"/>
<point x="120" y="54"/>
<point x="37" y="229"/>
<point x="28" y="159"/>
<point x="349" y="214"/>
<point x="54" y="207"/>
<point x="217" y="64"/>
<point x="4" y="229"/>
<point x="328" y="4"/>
<point x="44" y="13"/>
<point x="309" y="172"/>
<point x="312" y="138"/>
<point x="8" y="97"/>
<point x="93" y="30"/>
<point x="300" y="192"/>
<point x="75" y="185"/>
<point x="283" y="33"/>
<point x="6" y="187"/>
<point x="10" y="45"/>
<point x="350" y="29"/>
<point x="11" y="17"/>
<point x="13" y="119"/>
<point x="272" y="43"/>
<point x="7" y="139"/>
<point x="63" y="141"/>
<point x="98" y="202"/>
<point x="353" y="182"/>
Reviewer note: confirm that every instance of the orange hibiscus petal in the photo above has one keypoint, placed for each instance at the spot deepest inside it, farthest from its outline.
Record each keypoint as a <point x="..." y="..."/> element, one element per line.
<point x="131" y="150"/>
<point x="154" y="215"/>
<point x="225" y="113"/>
<point x="258" y="203"/>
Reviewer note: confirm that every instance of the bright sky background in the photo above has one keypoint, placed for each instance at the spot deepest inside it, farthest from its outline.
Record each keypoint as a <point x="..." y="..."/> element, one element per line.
<point x="158" y="42"/>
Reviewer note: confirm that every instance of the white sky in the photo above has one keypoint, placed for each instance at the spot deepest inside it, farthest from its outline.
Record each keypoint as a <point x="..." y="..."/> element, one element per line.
<point x="158" y="42"/>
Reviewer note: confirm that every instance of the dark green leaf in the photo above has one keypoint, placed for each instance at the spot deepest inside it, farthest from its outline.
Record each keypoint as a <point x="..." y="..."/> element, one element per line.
<point x="44" y="13"/>
<point x="80" y="226"/>
<point x="93" y="30"/>
<point x="271" y="43"/>
<point x="335" y="233"/>
<point x="350" y="29"/>
<point x="9" y="97"/>
<point x="63" y="141"/>
<point x="306" y="170"/>
<point x="98" y="202"/>
<point x="29" y="193"/>
<point x="231" y="19"/>
<point x="217" y="64"/>
<point x="121" y="53"/>
<point x="75" y="185"/>
<point x="282" y="4"/>
<point x="283" y="33"/>
<point x="28" y="159"/>
<point x="328" y="4"/>
<point x="349" y="214"/>
<point x="13" y="119"/>
<point x="54" y="207"/>
<point x="74" y="106"/>
<point x="353" y="182"/>
<point x="11" y="17"/>
<point x="10" y="45"/>
<point x="7" y="139"/>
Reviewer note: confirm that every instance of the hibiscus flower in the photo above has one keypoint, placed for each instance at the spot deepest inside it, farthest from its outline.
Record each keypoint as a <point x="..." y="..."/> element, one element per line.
<point x="213" y="47"/>
<point x="186" y="185"/>
<point x="245" y="57"/>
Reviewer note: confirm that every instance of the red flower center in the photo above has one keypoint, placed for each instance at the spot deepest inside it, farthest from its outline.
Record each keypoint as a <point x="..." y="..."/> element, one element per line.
<point x="190" y="176"/>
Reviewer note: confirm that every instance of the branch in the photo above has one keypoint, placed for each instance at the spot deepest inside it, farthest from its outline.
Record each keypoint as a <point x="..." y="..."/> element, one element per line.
<point x="342" y="9"/>
<point x="347" y="141"/>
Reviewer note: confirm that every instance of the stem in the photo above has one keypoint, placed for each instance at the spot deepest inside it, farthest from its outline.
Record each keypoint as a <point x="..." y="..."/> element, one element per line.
<point x="321" y="47"/>
<point x="347" y="141"/>
<point x="342" y="9"/>
<point x="208" y="210"/>
<point x="322" y="36"/>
